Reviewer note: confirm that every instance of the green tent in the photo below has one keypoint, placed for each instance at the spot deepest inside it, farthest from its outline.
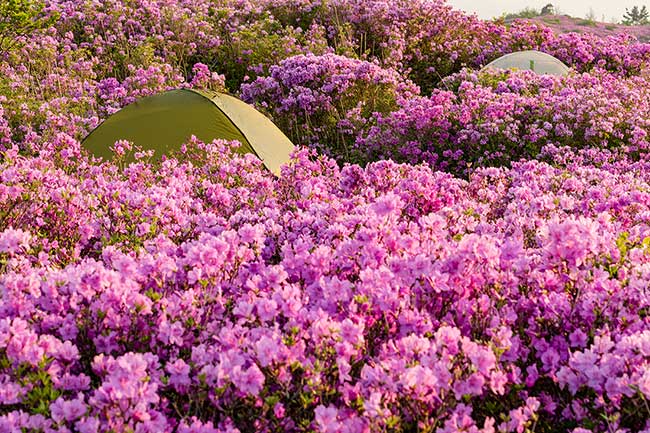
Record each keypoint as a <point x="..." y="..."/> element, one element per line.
<point x="165" y="121"/>
<point x="535" y="61"/>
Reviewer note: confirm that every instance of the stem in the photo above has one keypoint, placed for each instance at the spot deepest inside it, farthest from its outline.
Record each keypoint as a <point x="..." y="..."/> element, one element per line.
<point x="645" y="402"/>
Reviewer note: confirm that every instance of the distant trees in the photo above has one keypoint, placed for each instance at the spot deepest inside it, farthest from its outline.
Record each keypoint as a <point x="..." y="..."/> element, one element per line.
<point x="524" y="13"/>
<point x="590" y="18"/>
<point x="529" y="12"/>
<point x="549" y="9"/>
<point x="636" y="16"/>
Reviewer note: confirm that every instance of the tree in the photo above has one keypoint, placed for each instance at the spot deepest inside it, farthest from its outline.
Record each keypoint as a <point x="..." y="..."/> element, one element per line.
<point x="20" y="18"/>
<point x="548" y="10"/>
<point x="591" y="16"/>
<point x="524" y="13"/>
<point x="636" y="16"/>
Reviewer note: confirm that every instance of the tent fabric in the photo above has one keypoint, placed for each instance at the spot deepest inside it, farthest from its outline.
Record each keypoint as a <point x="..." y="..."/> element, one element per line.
<point x="536" y="61"/>
<point x="165" y="121"/>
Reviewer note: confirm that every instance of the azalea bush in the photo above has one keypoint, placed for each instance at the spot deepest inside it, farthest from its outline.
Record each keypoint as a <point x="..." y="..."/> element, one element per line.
<point x="496" y="117"/>
<point x="61" y="91"/>
<point x="20" y="18"/>
<point x="138" y="32"/>
<point x="237" y="39"/>
<point x="252" y="49"/>
<point x="427" y="40"/>
<point x="203" y="294"/>
<point x="491" y="278"/>
<point x="327" y="101"/>
<point x="621" y="54"/>
<point x="94" y="59"/>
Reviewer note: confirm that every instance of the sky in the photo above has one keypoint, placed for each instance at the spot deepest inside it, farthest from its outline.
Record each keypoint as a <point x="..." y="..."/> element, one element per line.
<point x="610" y="10"/>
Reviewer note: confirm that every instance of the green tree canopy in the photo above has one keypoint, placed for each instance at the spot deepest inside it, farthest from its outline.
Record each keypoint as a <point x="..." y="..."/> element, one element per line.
<point x="636" y="16"/>
<point x="548" y="9"/>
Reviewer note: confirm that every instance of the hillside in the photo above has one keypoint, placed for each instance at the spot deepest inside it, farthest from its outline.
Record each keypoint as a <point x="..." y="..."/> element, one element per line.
<point x="567" y="24"/>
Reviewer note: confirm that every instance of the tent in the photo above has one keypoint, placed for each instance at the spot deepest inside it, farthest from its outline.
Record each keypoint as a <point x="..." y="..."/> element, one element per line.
<point x="165" y="121"/>
<point x="536" y="61"/>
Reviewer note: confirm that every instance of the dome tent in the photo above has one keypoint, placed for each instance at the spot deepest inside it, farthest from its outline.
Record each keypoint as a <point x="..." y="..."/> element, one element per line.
<point x="165" y="121"/>
<point x="535" y="61"/>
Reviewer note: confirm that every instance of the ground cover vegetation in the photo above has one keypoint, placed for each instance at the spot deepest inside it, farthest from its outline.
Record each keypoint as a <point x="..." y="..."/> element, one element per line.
<point x="448" y="250"/>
